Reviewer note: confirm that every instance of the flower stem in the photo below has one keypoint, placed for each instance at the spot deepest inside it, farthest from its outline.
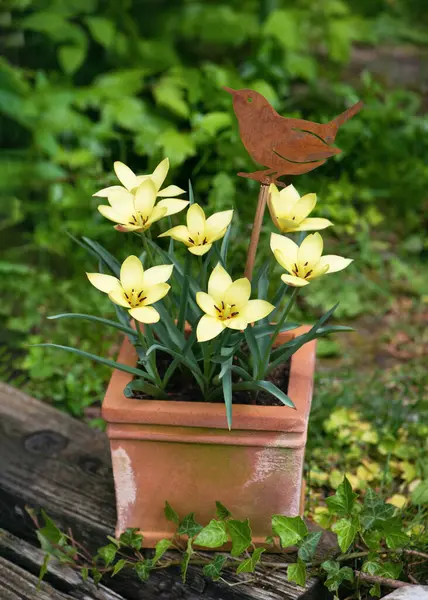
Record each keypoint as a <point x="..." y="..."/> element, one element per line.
<point x="276" y="331"/>
<point x="184" y="293"/>
<point x="152" y="357"/>
<point x="147" y="249"/>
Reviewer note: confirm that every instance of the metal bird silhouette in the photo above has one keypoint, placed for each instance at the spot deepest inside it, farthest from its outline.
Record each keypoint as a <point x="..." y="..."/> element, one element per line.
<point x="286" y="146"/>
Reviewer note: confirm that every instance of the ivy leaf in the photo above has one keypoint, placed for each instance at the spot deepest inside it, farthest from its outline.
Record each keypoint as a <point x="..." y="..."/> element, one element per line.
<point x="222" y="512"/>
<point x="84" y="572"/>
<point x="375" y="511"/>
<point x="396" y="538"/>
<point x="336" y="575"/>
<point x="132" y="538"/>
<point x="213" y="535"/>
<point x="309" y="545"/>
<point x="346" y="530"/>
<point x="241" y="535"/>
<point x="143" y="569"/>
<point x="189" y="526"/>
<point x="161" y="547"/>
<point x="375" y="590"/>
<point x="213" y="569"/>
<point x="96" y="575"/>
<point x="186" y="560"/>
<point x="373" y="539"/>
<point x="249" y="565"/>
<point x="44" y="567"/>
<point x="387" y="569"/>
<point x="343" y="501"/>
<point x="170" y="514"/>
<point x="108" y="553"/>
<point x="297" y="573"/>
<point x="290" y="530"/>
<point x="118" y="566"/>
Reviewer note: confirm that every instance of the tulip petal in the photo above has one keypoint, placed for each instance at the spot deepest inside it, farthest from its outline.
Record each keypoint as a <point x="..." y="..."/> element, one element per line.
<point x="179" y="233"/>
<point x="238" y="293"/>
<point x="255" y="310"/>
<point x="104" y="193"/>
<point x="217" y="224"/>
<point x="155" y="293"/>
<point x="280" y="258"/>
<point x="218" y="283"/>
<point x="109" y="213"/>
<point x="313" y="224"/>
<point x="195" y="220"/>
<point x="287" y="247"/>
<point x="277" y="205"/>
<point x="239" y="323"/>
<point x="172" y="205"/>
<point x="145" y="314"/>
<point x="200" y="250"/>
<point x="335" y="263"/>
<point x="170" y="191"/>
<point x="208" y="328"/>
<point x="158" y="213"/>
<point x="294" y="281"/>
<point x="126" y="228"/>
<point x="155" y="275"/>
<point x="317" y="271"/>
<point x="104" y="283"/>
<point x="132" y="274"/>
<point x="289" y="196"/>
<point x="118" y="297"/>
<point x="122" y="202"/>
<point x="310" y="251"/>
<point x="125" y="175"/>
<point x="145" y="198"/>
<point x="287" y="225"/>
<point x="304" y="206"/>
<point x="206" y="303"/>
<point x="159" y="174"/>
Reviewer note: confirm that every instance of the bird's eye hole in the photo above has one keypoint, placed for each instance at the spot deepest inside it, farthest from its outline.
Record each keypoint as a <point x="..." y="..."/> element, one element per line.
<point x="249" y="99"/>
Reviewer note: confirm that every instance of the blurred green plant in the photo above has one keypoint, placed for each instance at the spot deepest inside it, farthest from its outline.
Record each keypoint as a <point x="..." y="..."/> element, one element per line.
<point x="86" y="82"/>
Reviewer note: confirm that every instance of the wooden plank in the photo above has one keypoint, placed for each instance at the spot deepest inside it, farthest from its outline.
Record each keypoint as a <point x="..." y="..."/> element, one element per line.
<point x="17" y="584"/>
<point x="52" y="461"/>
<point x="62" y="578"/>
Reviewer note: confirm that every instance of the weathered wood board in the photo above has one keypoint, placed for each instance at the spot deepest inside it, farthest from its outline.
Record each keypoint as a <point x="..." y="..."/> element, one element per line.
<point x="49" y="460"/>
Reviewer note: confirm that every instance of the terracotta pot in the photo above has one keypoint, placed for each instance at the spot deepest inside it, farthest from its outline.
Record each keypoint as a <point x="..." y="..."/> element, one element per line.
<point x="183" y="452"/>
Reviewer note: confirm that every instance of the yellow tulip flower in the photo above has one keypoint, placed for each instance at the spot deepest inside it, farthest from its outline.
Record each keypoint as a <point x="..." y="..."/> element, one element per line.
<point x="130" y="181"/>
<point x="289" y="211"/>
<point x="200" y="232"/>
<point x="304" y="262"/>
<point x="136" y="289"/>
<point x="138" y="210"/>
<point x="227" y="304"/>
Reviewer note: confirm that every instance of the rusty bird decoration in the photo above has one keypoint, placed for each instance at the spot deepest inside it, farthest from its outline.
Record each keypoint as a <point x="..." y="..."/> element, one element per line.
<point x="286" y="146"/>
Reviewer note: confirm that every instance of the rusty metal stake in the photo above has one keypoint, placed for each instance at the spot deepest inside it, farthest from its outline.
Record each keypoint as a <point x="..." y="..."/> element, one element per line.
<point x="255" y="233"/>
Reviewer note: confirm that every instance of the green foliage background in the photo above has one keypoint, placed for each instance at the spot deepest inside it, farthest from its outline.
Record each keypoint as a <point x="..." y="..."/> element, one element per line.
<point x="87" y="82"/>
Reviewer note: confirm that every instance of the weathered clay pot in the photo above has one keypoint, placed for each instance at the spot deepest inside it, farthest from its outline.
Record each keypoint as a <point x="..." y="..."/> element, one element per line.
<point x="183" y="452"/>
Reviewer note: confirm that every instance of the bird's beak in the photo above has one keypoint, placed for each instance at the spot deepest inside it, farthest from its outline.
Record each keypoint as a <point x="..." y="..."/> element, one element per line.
<point x="229" y="90"/>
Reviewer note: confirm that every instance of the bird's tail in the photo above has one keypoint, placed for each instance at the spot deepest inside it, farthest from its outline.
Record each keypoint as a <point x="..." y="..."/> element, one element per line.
<point x="347" y="114"/>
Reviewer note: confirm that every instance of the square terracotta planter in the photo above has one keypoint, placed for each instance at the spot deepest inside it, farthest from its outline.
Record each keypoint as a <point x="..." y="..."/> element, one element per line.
<point x="183" y="452"/>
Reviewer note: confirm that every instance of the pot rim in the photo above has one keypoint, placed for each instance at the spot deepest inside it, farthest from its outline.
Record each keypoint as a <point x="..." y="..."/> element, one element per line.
<point x="118" y="409"/>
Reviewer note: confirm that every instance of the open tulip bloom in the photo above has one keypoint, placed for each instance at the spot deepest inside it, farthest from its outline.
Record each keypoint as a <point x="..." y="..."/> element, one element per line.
<point x="200" y="233"/>
<point x="290" y="212"/>
<point x="220" y="331"/>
